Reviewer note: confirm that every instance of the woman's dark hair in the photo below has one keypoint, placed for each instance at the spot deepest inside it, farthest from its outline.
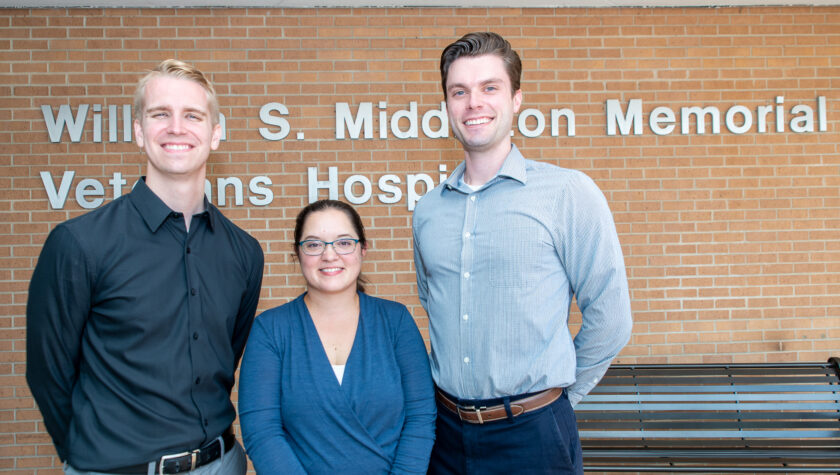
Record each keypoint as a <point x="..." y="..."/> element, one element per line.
<point x="348" y="210"/>
<point x="479" y="44"/>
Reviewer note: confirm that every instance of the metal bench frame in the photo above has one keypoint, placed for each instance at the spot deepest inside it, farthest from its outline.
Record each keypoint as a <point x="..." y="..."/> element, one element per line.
<point x="713" y="418"/>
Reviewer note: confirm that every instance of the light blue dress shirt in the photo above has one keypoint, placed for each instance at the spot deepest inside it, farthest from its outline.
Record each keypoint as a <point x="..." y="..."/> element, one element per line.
<point x="497" y="269"/>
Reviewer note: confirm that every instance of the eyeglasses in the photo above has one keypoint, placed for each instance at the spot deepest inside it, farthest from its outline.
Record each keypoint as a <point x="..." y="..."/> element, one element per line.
<point x="316" y="247"/>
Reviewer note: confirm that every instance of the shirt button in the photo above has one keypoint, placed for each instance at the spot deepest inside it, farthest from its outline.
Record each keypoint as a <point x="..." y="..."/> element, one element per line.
<point x="466" y="317"/>
<point x="472" y="198"/>
<point x="466" y="275"/>
<point x="188" y="250"/>
<point x="206" y="422"/>
<point x="195" y="336"/>
<point x="198" y="380"/>
<point x="467" y="234"/>
<point x="467" y="359"/>
<point x="193" y="291"/>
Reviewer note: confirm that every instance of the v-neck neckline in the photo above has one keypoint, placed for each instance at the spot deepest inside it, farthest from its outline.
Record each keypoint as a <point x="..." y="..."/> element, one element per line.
<point x="325" y="359"/>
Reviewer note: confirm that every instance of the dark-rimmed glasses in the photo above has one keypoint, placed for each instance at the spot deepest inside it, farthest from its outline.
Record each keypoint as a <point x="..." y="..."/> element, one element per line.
<point x="316" y="247"/>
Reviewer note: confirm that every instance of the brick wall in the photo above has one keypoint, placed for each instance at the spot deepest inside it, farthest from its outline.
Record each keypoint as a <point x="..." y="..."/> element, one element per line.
<point x="730" y="237"/>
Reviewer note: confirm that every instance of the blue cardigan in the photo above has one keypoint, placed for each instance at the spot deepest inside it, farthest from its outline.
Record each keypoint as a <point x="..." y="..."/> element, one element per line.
<point x="297" y="418"/>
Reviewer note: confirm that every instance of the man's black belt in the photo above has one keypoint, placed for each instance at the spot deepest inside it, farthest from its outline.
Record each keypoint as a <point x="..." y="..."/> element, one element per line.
<point x="186" y="461"/>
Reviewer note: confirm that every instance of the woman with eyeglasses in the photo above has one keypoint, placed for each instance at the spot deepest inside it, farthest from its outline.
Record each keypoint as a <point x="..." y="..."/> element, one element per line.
<point x="336" y="381"/>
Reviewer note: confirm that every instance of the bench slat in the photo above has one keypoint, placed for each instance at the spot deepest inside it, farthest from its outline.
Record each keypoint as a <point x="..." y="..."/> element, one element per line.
<point x="758" y="434"/>
<point x="746" y="406"/>
<point x="691" y="425"/>
<point x="716" y="388"/>
<point x="665" y="443"/>
<point x="774" y="396"/>
<point x="595" y="415"/>
<point x="695" y="380"/>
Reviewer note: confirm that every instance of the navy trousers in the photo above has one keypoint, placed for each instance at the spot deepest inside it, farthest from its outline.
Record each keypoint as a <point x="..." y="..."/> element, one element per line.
<point x="544" y="441"/>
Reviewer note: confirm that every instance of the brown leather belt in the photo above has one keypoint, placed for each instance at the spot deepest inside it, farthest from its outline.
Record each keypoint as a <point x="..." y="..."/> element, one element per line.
<point x="480" y="415"/>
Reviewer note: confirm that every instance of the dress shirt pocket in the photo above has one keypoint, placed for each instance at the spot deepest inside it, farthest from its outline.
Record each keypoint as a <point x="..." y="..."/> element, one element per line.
<point x="514" y="256"/>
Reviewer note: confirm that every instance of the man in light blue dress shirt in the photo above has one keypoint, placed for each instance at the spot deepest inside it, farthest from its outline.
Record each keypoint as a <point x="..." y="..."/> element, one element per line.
<point x="501" y="248"/>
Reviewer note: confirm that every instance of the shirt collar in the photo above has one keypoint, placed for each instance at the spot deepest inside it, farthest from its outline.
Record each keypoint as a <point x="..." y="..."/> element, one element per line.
<point x="513" y="167"/>
<point x="154" y="211"/>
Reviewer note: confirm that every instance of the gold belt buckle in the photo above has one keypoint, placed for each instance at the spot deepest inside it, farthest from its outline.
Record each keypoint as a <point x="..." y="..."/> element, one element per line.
<point x="193" y="458"/>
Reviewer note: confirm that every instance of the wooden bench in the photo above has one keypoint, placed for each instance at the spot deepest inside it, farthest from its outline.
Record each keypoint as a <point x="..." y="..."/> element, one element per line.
<point x="714" y="418"/>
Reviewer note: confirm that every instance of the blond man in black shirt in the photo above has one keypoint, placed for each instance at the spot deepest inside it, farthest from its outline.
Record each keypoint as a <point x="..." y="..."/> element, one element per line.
<point x="138" y="312"/>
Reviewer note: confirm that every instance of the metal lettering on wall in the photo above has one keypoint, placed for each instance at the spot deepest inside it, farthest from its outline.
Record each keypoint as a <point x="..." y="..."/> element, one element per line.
<point x="364" y="124"/>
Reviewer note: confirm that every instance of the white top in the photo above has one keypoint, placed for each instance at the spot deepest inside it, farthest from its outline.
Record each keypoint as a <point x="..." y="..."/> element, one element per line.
<point x="338" y="369"/>
<point x="473" y="188"/>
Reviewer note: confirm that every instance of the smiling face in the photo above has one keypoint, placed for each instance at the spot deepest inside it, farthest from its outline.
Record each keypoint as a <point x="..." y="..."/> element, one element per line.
<point x="330" y="273"/>
<point x="481" y="103"/>
<point x="175" y="129"/>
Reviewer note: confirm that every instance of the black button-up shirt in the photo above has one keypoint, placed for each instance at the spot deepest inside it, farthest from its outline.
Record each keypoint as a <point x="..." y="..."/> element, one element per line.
<point x="135" y="328"/>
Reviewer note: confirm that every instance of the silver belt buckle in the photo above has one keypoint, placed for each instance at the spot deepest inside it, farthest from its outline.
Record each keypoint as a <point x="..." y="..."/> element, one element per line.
<point x="193" y="459"/>
<point x="472" y="408"/>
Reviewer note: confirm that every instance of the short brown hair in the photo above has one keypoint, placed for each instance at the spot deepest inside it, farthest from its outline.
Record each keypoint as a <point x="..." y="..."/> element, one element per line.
<point x="180" y="70"/>
<point x="479" y="44"/>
